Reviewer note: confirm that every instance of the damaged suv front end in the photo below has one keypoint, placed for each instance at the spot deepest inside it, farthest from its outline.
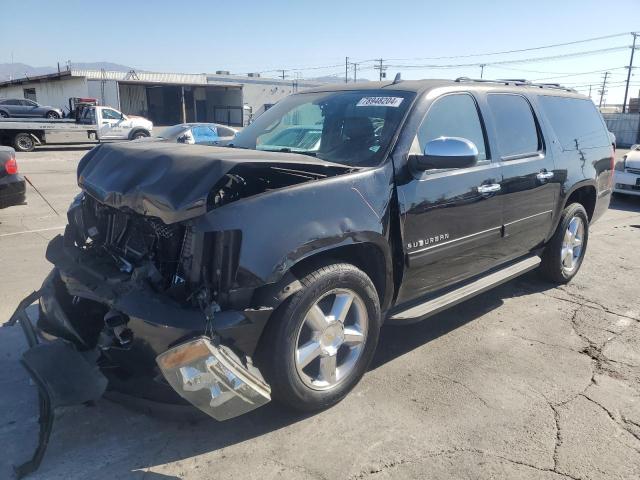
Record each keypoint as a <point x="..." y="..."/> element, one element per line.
<point x="175" y="257"/>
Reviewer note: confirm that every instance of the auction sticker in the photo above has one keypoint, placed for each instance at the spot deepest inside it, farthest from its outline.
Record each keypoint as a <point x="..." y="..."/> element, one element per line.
<point x="380" y="102"/>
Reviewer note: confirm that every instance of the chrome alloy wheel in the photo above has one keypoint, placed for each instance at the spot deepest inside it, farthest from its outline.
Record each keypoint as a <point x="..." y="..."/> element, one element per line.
<point x="572" y="245"/>
<point x="331" y="339"/>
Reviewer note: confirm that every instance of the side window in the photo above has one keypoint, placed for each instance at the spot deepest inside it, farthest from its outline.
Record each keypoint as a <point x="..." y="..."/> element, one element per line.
<point x="453" y="116"/>
<point x="576" y="122"/>
<point x="225" y="132"/>
<point x="516" y="129"/>
<point x="204" y="134"/>
<point x="13" y="102"/>
<point x="110" y="114"/>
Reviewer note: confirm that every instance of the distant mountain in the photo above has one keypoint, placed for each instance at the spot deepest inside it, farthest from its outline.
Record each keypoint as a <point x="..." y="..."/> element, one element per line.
<point x="21" y="70"/>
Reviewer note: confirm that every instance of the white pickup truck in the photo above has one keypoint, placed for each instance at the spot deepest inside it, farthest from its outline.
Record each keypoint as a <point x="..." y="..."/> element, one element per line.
<point x="101" y="123"/>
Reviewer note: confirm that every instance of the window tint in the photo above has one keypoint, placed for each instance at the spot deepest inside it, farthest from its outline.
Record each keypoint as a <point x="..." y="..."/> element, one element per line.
<point x="111" y="114"/>
<point x="204" y="134"/>
<point x="453" y="116"/>
<point x="13" y="102"/>
<point x="515" y="126"/>
<point x="576" y="122"/>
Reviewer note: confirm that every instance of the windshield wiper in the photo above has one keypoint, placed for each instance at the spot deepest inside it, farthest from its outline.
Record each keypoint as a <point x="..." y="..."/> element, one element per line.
<point x="303" y="152"/>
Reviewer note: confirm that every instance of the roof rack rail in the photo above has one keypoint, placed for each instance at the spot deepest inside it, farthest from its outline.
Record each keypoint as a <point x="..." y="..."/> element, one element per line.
<point x="515" y="81"/>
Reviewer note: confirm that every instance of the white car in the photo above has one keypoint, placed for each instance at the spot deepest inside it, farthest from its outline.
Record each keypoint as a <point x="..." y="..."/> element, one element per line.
<point x="627" y="174"/>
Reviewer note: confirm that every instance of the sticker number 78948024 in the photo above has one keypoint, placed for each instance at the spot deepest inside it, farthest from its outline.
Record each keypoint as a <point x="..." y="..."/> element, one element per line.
<point x="380" y="102"/>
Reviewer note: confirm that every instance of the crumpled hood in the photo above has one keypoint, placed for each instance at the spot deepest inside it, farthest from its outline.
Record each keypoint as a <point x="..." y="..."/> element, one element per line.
<point x="166" y="180"/>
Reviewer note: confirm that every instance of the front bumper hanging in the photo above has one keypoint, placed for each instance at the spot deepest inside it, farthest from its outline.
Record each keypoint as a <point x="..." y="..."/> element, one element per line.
<point x="63" y="375"/>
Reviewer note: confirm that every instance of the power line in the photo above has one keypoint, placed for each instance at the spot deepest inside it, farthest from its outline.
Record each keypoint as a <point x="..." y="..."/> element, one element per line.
<point x="522" y="60"/>
<point x="486" y="54"/>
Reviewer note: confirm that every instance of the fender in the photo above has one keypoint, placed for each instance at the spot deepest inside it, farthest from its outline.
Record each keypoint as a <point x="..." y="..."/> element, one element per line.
<point x="280" y="228"/>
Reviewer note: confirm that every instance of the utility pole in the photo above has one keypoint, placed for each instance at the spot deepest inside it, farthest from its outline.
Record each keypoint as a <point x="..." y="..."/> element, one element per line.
<point x="283" y="71"/>
<point x="604" y="85"/>
<point x="589" y="91"/>
<point x="355" y="72"/>
<point x="630" y="67"/>
<point x="346" y="69"/>
<point x="382" y="69"/>
<point x="482" y="65"/>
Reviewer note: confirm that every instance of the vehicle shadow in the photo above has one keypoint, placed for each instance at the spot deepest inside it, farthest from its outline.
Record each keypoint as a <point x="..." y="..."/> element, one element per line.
<point x="65" y="147"/>
<point x="398" y="340"/>
<point x="183" y="440"/>
<point x="626" y="203"/>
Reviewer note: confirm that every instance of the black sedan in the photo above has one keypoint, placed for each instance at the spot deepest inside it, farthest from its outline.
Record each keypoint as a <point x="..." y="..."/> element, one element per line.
<point x="198" y="134"/>
<point x="12" y="186"/>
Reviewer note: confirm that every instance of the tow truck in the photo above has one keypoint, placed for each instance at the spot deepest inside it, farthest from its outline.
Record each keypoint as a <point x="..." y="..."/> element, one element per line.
<point x="99" y="122"/>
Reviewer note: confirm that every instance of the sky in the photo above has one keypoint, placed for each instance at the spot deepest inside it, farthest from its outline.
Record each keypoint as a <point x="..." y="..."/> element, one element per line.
<point x="310" y="39"/>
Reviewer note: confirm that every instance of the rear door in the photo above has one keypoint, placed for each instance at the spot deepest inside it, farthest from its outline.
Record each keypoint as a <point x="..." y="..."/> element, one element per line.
<point x="529" y="185"/>
<point x="452" y="219"/>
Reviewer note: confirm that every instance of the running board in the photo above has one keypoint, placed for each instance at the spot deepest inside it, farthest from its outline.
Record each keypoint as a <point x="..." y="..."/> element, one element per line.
<point x="449" y="299"/>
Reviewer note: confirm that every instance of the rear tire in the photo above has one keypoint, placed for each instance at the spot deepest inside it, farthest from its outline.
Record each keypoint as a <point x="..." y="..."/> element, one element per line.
<point x="52" y="115"/>
<point x="4" y="115"/>
<point x="563" y="255"/>
<point x="320" y="342"/>
<point x="23" y="142"/>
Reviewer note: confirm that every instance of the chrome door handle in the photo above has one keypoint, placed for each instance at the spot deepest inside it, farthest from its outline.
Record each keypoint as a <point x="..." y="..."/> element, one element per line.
<point x="544" y="176"/>
<point x="490" y="188"/>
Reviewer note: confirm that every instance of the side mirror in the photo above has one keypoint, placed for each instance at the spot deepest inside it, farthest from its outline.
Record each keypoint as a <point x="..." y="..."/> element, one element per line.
<point x="446" y="152"/>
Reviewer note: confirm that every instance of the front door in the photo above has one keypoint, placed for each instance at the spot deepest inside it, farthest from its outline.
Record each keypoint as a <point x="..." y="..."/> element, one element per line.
<point x="451" y="219"/>
<point x="529" y="185"/>
<point x="112" y="125"/>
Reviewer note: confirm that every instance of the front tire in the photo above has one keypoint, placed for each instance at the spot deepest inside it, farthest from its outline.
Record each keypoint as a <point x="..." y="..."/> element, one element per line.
<point x="563" y="255"/>
<point x="138" y="135"/>
<point x="321" y="341"/>
<point x="52" y="115"/>
<point x="4" y="115"/>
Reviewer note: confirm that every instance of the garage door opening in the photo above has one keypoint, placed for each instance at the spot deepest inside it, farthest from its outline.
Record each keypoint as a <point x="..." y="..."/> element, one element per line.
<point x="172" y="104"/>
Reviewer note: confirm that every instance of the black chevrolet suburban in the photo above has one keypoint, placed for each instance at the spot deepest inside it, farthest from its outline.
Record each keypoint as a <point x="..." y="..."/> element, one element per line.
<point x="223" y="277"/>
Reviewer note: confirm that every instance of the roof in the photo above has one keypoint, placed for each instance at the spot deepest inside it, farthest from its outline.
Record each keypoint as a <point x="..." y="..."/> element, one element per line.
<point x="136" y="76"/>
<point x="38" y="78"/>
<point x="463" y="83"/>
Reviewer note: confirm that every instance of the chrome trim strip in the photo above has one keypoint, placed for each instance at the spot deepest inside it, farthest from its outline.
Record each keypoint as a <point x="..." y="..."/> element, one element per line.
<point x="430" y="247"/>
<point x="527" y="218"/>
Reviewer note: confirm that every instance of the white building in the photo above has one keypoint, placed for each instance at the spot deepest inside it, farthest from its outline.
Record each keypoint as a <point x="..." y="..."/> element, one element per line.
<point x="164" y="98"/>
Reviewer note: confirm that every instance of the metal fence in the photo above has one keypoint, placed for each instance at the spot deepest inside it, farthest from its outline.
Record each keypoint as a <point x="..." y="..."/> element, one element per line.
<point x="625" y="126"/>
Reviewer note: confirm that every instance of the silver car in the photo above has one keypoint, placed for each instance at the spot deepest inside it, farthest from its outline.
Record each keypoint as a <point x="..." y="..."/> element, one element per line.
<point x="22" y="107"/>
<point x="198" y="134"/>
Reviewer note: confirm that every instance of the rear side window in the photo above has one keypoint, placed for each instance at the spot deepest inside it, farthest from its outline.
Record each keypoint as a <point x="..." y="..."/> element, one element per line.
<point x="453" y="116"/>
<point x="516" y="129"/>
<point x="576" y="122"/>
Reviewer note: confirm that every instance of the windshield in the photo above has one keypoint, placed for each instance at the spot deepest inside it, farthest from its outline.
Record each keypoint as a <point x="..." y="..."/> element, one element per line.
<point x="350" y="127"/>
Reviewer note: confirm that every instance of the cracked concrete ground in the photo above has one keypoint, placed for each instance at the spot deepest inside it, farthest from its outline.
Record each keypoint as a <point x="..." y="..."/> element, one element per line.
<point x="528" y="381"/>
